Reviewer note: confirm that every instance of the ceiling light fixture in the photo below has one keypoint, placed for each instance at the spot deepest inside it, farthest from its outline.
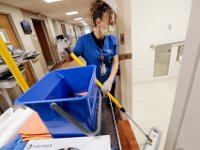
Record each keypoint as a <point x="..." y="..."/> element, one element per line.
<point x="51" y="1"/>
<point x="71" y="13"/>
<point x="81" y="21"/>
<point x="76" y="19"/>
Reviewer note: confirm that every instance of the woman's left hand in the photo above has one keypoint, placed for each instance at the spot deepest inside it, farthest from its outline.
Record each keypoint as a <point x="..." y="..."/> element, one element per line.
<point x="107" y="86"/>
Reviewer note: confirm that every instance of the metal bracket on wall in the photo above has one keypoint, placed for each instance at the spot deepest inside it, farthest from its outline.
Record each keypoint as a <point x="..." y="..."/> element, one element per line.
<point x="125" y="56"/>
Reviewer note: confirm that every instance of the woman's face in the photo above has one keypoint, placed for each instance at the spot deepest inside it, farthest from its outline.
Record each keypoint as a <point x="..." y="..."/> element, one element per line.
<point x="104" y="23"/>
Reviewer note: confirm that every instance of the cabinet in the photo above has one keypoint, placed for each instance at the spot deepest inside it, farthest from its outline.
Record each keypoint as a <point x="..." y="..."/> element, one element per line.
<point x="28" y="75"/>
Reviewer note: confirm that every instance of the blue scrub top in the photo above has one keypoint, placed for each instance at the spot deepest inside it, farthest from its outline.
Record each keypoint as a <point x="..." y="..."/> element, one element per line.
<point x="88" y="49"/>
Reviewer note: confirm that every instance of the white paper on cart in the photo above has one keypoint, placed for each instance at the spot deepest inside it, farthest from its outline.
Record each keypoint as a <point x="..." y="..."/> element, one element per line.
<point x="78" y="143"/>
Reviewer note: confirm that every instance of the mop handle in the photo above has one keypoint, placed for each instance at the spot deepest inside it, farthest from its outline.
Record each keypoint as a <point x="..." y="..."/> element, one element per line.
<point x="97" y="82"/>
<point x="138" y="127"/>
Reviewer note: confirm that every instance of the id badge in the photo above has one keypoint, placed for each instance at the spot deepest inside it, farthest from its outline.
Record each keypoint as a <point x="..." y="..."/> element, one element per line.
<point x="103" y="69"/>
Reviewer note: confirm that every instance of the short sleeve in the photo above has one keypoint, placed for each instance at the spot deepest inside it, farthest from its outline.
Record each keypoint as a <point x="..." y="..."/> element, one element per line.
<point x="116" y="49"/>
<point x="115" y="45"/>
<point x="79" y="47"/>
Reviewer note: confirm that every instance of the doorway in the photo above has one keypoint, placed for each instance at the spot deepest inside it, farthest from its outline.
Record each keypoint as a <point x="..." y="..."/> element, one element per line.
<point x="42" y="35"/>
<point x="64" y="30"/>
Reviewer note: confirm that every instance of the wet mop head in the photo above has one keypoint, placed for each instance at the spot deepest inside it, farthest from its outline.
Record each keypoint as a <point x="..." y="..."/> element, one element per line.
<point x="155" y="136"/>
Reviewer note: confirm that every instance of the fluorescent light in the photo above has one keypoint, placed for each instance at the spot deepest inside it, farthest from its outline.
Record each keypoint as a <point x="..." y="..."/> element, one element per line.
<point x="51" y="1"/>
<point x="71" y="13"/>
<point x="76" y="19"/>
<point x="81" y="21"/>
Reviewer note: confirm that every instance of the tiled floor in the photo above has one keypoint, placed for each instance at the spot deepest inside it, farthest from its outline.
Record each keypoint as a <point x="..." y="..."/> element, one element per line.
<point x="152" y="106"/>
<point x="67" y="64"/>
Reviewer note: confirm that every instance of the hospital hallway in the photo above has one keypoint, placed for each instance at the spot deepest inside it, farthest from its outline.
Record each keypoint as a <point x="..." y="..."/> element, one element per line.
<point x="99" y="74"/>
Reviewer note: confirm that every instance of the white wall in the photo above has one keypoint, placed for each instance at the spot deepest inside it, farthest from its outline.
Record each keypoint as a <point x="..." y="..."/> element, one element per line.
<point x="50" y="22"/>
<point x="56" y="26"/>
<point x="150" y="21"/>
<point x="112" y="3"/>
<point x="124" y="27"/>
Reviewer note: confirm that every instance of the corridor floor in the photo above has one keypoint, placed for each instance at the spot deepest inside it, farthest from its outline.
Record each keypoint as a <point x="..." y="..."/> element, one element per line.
<point x="152" y="107"/>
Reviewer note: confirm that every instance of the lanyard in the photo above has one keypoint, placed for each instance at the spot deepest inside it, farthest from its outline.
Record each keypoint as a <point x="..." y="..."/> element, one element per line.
<point x="101" y="56"/>
<point x="102" y="66"/>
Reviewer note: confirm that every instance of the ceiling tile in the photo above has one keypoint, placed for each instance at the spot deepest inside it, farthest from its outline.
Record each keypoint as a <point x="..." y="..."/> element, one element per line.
<point x="55" y="10"/>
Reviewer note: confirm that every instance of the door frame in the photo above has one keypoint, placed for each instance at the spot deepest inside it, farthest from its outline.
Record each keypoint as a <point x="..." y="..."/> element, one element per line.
<point x="47" y="37"/>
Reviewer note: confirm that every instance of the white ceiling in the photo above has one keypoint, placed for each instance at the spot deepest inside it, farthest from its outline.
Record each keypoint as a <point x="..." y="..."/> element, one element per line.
<point x="55" y="10"/>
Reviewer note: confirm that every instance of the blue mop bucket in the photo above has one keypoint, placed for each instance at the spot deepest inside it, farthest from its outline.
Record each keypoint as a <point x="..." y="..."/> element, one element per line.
<point x="62" y="87"/>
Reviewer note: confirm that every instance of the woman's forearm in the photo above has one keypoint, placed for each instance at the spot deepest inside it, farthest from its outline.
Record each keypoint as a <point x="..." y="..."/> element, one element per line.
<point x="114" y="69"/>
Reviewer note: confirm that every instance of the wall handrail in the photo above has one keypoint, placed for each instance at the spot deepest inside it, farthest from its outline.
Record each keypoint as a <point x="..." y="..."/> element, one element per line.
<point x="153" y="46"/>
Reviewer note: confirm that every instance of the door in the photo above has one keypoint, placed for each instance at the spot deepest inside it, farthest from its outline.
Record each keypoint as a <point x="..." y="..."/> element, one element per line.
<point x="184" y="127"/>
<point x="6" y="25"/>
<point x="28" y="76"/>
<point x="43" y="40"/>
<point x="64" y="30"/>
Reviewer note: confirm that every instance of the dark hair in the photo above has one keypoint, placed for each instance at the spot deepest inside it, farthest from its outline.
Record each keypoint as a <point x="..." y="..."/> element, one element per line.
<point x="98" y="8"/>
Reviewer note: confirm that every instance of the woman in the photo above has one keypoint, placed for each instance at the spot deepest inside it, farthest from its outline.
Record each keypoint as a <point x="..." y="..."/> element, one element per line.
<point x="98" y="48"/>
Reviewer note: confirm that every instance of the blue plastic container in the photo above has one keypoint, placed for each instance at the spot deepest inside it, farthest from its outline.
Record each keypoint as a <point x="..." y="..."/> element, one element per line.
<point x="61" y="87"/>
